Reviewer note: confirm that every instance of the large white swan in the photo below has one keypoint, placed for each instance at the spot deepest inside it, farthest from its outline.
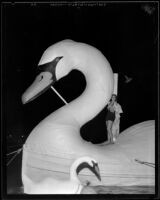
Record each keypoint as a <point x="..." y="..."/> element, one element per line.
<point x="55" y="142"/>
<point x="71" y="186"/>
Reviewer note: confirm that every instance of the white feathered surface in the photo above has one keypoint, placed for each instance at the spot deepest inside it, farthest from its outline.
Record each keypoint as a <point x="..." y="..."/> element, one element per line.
<point x="55" y="142"/>
<point x="73" y="185"/>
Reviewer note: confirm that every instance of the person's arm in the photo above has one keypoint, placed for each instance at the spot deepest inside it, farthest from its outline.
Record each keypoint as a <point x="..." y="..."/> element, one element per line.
<point x="118" y="108"/>
<point x="110" y="105"/>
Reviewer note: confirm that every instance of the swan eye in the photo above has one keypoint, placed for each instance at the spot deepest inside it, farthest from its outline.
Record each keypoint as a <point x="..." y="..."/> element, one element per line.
<point x="41" y="77"/>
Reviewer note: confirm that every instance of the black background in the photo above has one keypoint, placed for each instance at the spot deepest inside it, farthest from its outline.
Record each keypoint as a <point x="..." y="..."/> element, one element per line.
<point x="125" y="33"/>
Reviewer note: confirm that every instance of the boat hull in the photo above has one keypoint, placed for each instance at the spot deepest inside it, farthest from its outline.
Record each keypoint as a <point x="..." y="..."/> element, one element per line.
<point x="118" y="165"/>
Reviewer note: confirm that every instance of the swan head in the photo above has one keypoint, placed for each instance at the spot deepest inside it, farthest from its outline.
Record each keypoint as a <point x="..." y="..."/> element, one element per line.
<point x="87" y="162"/>
<point x="54" y="64"/>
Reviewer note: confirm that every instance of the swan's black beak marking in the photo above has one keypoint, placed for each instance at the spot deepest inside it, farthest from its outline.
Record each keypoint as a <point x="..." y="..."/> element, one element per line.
<point x="42" y="82"/>
<point x="50" y="67"/>
<point x="94" y="168"/>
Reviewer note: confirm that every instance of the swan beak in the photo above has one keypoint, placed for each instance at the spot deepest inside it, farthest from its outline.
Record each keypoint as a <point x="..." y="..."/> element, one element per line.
<point x="97" y="172"/>
<point x="41" y="83"/>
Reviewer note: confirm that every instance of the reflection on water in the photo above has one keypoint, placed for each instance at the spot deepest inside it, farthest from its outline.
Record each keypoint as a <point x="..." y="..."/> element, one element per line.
<point x="125" y="189"/>
<point x="106" y="190"/>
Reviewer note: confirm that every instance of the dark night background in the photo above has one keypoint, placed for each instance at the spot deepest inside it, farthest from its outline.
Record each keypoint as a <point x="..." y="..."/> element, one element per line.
<point x="126" y="33"/>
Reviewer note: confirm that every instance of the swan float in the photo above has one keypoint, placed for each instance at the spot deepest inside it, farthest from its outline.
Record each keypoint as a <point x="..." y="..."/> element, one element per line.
<point x="72" y="186"/>
<point x="55" y="142"/>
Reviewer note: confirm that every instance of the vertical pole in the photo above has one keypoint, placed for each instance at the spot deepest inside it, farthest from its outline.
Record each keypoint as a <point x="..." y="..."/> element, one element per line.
<point x="116" y="123"/>
<point x="115" y="90"/>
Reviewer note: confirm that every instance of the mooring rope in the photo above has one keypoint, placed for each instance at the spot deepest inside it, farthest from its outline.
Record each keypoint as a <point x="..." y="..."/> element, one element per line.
<point x="13" y="152"/>
<point x="18" y="151"/>
<point x="145" y="163"/>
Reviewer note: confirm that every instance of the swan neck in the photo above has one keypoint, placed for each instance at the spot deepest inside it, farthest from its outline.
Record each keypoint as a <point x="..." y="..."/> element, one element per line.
<point x="73" y="173"/>
<point x="99" y="87"/>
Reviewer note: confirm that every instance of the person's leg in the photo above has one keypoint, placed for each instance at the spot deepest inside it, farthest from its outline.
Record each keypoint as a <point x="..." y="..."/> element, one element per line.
<point x="108" y="133"/>
<point x="109" y="130"/>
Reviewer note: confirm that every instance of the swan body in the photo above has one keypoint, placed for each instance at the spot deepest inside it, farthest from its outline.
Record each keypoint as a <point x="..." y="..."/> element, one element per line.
<point x="71" y="186"/>
<point x="55" y="142"/>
